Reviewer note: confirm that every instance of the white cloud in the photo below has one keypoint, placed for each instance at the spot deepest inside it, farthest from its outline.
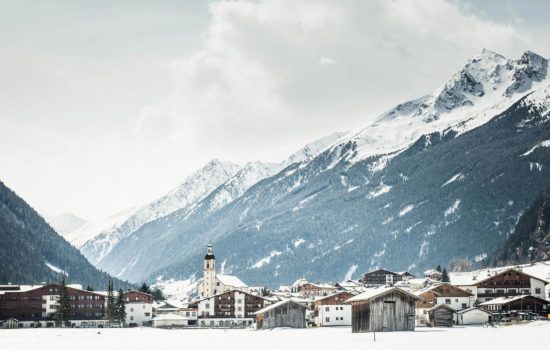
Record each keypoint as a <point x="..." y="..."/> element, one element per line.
<point x="255" y="87"/>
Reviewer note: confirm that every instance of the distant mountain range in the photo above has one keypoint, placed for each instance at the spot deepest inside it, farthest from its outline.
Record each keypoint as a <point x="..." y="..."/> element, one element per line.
<point x="32" y="252"/>
<point x="444" y="176"/>
<point x="66" y="223"/>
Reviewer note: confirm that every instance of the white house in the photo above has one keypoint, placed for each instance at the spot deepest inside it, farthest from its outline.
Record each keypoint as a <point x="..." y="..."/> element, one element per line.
<point x="507" y="283"/>
<point x="471" y="316"/>
<point x="333" y="311"/>
<point x="139" y="308"/>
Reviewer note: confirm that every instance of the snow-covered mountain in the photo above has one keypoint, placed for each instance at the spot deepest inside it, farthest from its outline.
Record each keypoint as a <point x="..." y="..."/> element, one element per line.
<point x="185" y="196"/>
<point x="120" y="259"/>
<point x="66" y="223"/>
<point x="443" y="176"/>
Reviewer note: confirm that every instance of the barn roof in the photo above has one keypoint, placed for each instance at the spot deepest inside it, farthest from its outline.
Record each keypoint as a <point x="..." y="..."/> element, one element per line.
<point x="378" y="292"/>
<point x="278" y="304"/>
<point x="442" y="306"/>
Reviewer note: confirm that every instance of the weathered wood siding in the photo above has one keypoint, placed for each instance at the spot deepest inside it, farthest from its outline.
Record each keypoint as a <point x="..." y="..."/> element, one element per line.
<point x="441" y="317"/>
<point x="287" y="315"/>
<point x="388" y="313"/>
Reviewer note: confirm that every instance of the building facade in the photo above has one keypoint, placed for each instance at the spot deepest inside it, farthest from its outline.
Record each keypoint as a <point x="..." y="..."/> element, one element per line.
<point x="35" y="306"/>
<point x="333" y="310"/>
<point x="139" y="308"/>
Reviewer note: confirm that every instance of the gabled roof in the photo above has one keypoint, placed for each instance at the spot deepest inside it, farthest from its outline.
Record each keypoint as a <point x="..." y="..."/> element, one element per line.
<point x="337" y="293"/>
<point x="232" y="281"/>
<point x="378" y="292"/>
<point x="229" y="291"/>
<point x="278" y="304"/>
<point x="444" y="284"/>
<point x="442" y="306"/>
<point x="388" y="272"/>
<point x="468" y="279"/>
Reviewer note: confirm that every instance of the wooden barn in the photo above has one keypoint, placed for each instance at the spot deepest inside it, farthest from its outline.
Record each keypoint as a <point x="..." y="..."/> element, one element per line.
<point x="383" y="310"/>
<point x="285" y="313"/>
<point x="441" y="315"/>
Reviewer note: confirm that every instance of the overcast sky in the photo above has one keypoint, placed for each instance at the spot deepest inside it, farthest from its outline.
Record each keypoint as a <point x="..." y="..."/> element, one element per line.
<point x="105" y="105"/>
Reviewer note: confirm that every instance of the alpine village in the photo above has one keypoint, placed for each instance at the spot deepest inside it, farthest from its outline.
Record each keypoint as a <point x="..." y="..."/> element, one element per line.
<point x="381" y="301"/>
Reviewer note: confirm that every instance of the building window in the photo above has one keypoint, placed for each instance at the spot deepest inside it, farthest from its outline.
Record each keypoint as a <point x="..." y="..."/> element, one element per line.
<point x="448" y="301"/>
<point x="464" y="305"/>
<point x="131" y="309"/>
<point x="327" y="319"/>
<point x="147" y="314"/>
<point x="207" y="305"/>
<point x="131" y="318"/>
<point x="537" y="290"/>
<point x="327" y="309"/>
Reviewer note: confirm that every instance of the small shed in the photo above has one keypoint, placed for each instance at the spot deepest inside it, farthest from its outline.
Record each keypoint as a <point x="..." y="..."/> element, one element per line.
<point x="441" y="315"/>
<point x="169" y="321"/>
<point x="472" y="315"/>
<point x="285" y="313"/>
<point x="383" y="310"/>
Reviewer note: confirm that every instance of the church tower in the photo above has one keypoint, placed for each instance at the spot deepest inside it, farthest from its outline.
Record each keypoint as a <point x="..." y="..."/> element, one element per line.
<point x="209" y="270"/>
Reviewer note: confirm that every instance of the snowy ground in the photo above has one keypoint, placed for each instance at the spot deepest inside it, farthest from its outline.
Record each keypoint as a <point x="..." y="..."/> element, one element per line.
<point x="510" y="337"/>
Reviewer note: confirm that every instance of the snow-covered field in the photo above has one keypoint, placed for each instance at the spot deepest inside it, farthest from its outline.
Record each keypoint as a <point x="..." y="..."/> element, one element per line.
<point x="510" y="337"/>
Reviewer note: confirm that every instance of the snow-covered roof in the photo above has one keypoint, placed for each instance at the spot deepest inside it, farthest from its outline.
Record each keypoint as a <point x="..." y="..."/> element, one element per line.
<point x="506" y="300"/>
<point x="232" y="281"/>
<point x="441" y="305"/>
<point x="376" y="292"/>
<point x="277" y="304"/>
<point x="475" y="277"/>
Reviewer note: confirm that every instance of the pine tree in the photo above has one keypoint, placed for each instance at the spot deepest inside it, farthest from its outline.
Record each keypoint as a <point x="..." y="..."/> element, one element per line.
<point x="445" y="276"/>
<point x="158" y="295"/>
<point x="438" y="268"/>
<point x="89" y="288"/>
<point x="62" y="315"/>
<point x="120" y="308"/>
<point x="110" y="312"/>
<point x="145" y="288"/>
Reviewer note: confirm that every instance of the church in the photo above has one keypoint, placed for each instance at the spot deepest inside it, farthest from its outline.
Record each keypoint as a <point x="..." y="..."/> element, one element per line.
<point x="212" y="283"/>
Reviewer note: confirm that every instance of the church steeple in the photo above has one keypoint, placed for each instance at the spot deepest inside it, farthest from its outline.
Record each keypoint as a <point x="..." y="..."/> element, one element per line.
<point x="209" y="273"/>
<point x="209" y="253"/>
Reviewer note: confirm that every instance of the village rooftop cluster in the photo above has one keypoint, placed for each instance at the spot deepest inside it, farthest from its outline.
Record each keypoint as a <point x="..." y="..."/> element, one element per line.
<point x="381" y="301"/>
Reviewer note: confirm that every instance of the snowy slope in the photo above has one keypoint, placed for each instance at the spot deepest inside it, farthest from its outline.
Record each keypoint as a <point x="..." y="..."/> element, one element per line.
<point x="422" y="183"/>
<point x="91" y="229"/>
<point x="66" y="223"/>
<point x="486" y="86"/>
<point x="186" y="195"/>
<point x="120" y="261"/>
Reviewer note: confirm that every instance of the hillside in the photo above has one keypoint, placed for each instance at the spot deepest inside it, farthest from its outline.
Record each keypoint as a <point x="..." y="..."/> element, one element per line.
<point x="445" y="176"/>
<point x="530" y="240"/>
<point x="32" y="252"/>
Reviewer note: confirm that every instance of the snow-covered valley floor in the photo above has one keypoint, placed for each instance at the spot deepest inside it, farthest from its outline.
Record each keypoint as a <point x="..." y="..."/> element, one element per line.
<point x="510" y="337"/>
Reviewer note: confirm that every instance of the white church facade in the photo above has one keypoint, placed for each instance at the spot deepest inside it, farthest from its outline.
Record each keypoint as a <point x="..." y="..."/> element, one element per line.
<point x="213" y="283"/>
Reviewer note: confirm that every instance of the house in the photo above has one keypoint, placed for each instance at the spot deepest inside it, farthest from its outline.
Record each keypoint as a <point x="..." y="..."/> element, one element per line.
<point x="169" y="321"/>
<point x="416" y="284"/>
<point x="191" y="314"/>
<point x="332" y="310"/>
<point x="350" y="285"/>
<point x="507" y="283"/>
<point x="382" y="277"/>
<point x="471" y="316"/>
<point x="139" y="308"/>
<point x="285" y="313"/>
<point x="434" y="274"/>
<point x="316" y="289"/>
<point x="35" y="305"/>
<point x="445" y="293"/>
<point x="516" y="305"/>
<point x="229" y="309"/>
<point x="405" y="275"/>
<point x="213" y="283"/>
<point x="383" y="310"/>
<point x="441" y="315"/>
